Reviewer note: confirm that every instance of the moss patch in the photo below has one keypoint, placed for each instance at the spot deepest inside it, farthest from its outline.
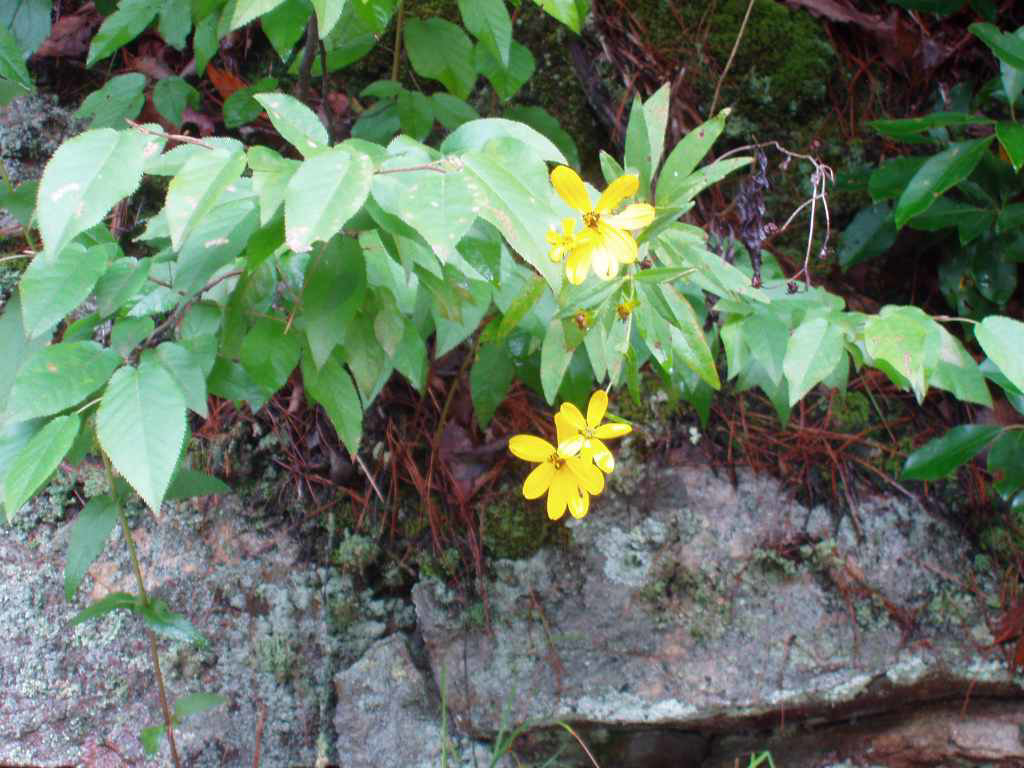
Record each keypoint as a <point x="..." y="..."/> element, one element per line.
<point x="515" y="529"/>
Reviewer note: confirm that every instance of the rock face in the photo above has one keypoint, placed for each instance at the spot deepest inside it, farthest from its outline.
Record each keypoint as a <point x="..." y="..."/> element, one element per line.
<point x="715" y="608"/>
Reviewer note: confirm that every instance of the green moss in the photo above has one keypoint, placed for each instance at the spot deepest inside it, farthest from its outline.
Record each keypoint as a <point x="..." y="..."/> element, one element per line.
<point x="514" y="529"/>
<point x="355" y="553"/>
<point x="851" y="412"/>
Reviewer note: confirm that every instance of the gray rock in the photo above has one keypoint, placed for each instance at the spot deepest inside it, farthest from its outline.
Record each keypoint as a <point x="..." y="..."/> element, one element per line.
<point x="716" y="608"/>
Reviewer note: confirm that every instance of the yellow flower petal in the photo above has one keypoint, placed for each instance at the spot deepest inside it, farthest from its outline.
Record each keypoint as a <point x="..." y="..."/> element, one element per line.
<point x="572" y="415"/>
<point x="603" y="261"/>
<point x="566" y="433"/>
<point x="596" y="407"/>
<point x="612" y="430"/>
<point x="563" y="488"/>
<point x="588" y="476"/>
<point x="530" y="448"/>
<point x="635" y="216"/>
<point x="539" y="480"/>
<point x="620" y="243"/>
<point x="569" y="187"/>
<point x="577" y="265"/>
<point x="616" y="192"/>
<point x="579" y="506"/>
<point x="600" y="455"/>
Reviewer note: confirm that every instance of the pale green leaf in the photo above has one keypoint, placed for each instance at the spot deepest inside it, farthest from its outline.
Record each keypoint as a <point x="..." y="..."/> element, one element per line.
<point x="958" y="373"/>
<point x="332" y="387"/>
<point x="129" y="332"/>
<point x="476" y="134"/>
<point x="188" y="483"/>
<point x="1002" y="338"/>
<point x="656" y="117"/>
<point x="270" y="175"/>
<point x="684" y="157"/>
<point x="689" y="345"/>
<point x="89" y="535"/>
<point x="196" y="189"/>
<point x="249" y="10"/>
<point x="555" y="356"/>
<point x="58" y="377"/>
<point x="569" y="12"/>
<point x="637" y="157"/>
<point x="141" y="426"/>
<point x="297" y="123"/>
<point x="28" y="21"/>
<point x="12" y="61"/>
<point x="410" y="357"/>
<point x="323" y="194"/>
<point x="813" y="351"/>
<point x="488" y="21"/>
<point x="122" y="26"/>
<point x="53" y="286"/>
<point x="197" y="703"/>
<point x="1011" y="137"/>
<point x="38" y="460"/>
<point x="113" y="602"/>
<point x="440" y="206"/>
<point x="122" y="281"/>
<point x="86" y="177"/>
<point x="768" y="338"/>
<point x="907" y="341"/>
<point x="327" y="14"/>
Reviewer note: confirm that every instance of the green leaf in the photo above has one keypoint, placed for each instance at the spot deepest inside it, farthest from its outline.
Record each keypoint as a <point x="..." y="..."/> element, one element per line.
<point x="518" y="191"/>
<point x="12" y="62"/>
<point x="112" y="602"/>
<point x="610" y="168"/>
<point x="689" y="346"/>
<point x="151" y="737"/>
<point x="16" y="349"/>
<point x="38" y="460"/>
<point x="570" y="12"/>
<point x="21" y="201"/>
<point x="900" y="129"/>
<point x="187" y="484"/>
<point x="215" y="241"/>
<point x="479" y="133"/>
<point x="284" y="25"/>
<point x="88" y="537"/>
<point x="506" y="80"/>
<point x="175" y="23"/>
<point x="939" y="173"/>
<point x="685" y="156"/>
<point x="451" y="111"/>
<point x="327" y="14"/>
<point x="196" y="704"/>
<point x="488" y="21"/>
<point x="325" y="192"/>
<point x="86" y="177"/>
<point x="700" y="180"/>
<point x="332" y="387"/>
<point x="489" y="380"/>
<point x="410" y="357"/>
<point x="230" y="381"/>
<point x="1007" y="47"/>
<point x="907" y="340"/>
<point x="456" y="324"/>
<point x="441" y="51"/>
<point x="122" y="26"/>
<point x="555" y="356"/>
<point x="767" y="336"/>
<point x="249" y="10"/>
<point x="638" y="146"/>
<point x="656" y="116"/>
<point x="868" y="236"/>
<point x="141" y="426"/>
<point x="1013" y="78"/>
<point x="195" y="190"/>
<point x="890" y="179"/>
<point x="172" y="95"/>
<point x="1011" y="136"/>
<point x="415" y="114"/>
<point x="519" y="308"/>
<point x="53" y="286"/>
<point x="813" y="351"/>
<point x="297" y="123"/>
<point x="186" y="371"/>
<point x="122" y="281"/>
<point x="28" y="21"/>
<point x="335" y="287"/>
<point x="545" y="123"/>
<point x="1006" y="463"/>
<point x="161" y="619"/>
<point x="58" y="377"/>
<point x="205" y="41"/>
<point x="269" y="355"/>
<point x="1002" y="338"/>
<point x="128" y="332"/>
<point x="270" y="176"/>
<point x="440" y="206"/>
<point x="937" y="458"/>
<point x="958" y="373"/>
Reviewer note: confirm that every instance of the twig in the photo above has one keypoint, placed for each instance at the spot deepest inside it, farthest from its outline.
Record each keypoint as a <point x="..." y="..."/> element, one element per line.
<point x="409" y="168"/>
<point x="576" y="736"/>
<point x="17" y="256"/>
<point x="323" y="92"/>
<point x="732" y="55"/>
<point x="260" y="724"/>
<point x="397" y="58"/>
<point x="169" y="136"/>
<point x="308" y="52"/>
<point x="173" y="317"/>
<point x="373" y="483"/>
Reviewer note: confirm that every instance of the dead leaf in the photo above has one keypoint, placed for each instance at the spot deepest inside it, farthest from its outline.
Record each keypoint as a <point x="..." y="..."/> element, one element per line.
<point x="70" y="34"/>
<point x="225" y="82"/>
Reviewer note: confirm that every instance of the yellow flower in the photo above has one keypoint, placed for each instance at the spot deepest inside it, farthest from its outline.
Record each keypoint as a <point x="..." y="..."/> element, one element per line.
<point x="604" y="242"/>
<point x="567" y="479"/>
<point x="591" y="430"/>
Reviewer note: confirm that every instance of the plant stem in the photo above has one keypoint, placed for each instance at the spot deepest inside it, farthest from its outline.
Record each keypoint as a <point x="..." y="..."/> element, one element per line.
<point x="396" y="60"/>
<point x="308" y="53"/>
<point x="732" y="55"/>
<point x="137" y="569"/>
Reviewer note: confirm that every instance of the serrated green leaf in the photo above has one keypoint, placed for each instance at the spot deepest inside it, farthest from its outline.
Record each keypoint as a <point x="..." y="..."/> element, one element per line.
<point x="270" y="176"/>
<point x="907" y="340"/>
<point x="335" y="287"/>
<point x="245" y="11"/>
<point x="86" y="177"/>
<point x="37" y="460"/>
<point x="197" y="703"/>
<point x="554" y="360"/>
<point x="1002" y="338"/>
<point x="488" y="21"/>
<point x="325" y="192"/>
<point x="171" y="95"/>
<point x="1011" y="137"/>
<point x="1007" y="47"/>
<point x="327" y="14"/>
<point x="188" y="483"/>
<point x="489" y="380"/>
<point x="15" y="350"/>
<point x="12" y="62"/>
<point x="637" y="155"/>
<point x="441" y="51"/>
<point x="122" y="26"/>
<point x="158" y="616"/>
<point x="269" y="355"/>
<point x="175" y="23"/>
<point x="546" y="124"/>
<point x="112" y="602"/>
<point x="89" y="536"/>
<point x="938" y="174"/>
<point x="332" y="387"/>
<point x="53" y="286"/>
<point x="284" y="25"/>
<point x="122" y="281"/>
<point x="141" y="425"/>
<point x="58" y="377"/>
<point x="506" y="81"/>
<point x="217" y="239"/>
<point x="128" y="332"/>
<point x="187" y="372"/>
<point x="937" y="458"/>
<point x="684" y="157"/>
<point x="196" y="189"/>
<point x="297" y="123"/>
<point x="813" y="351"/>
<point x="477" y="134"/>
<point x="440" y="207"/>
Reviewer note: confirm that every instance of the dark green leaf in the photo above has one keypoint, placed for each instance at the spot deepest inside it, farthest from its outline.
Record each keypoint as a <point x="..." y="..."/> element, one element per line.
<point x="205" y="42"/>
<point x="901" y="128"/>
<point x="269" y="355"/>
<point x="868" y="236"/>
<point x="939" y="173"/>
<point x="1006" y="463"/>
<point x="489" y="380"/>
<point x="1007" y="47"/>
<point x="284" y="25"/>
<point x="506" y="80"/>
<point x="555" y="356"/>
<point x="171" y="95"/>
<point x="28" y="21"/>
<point x="122" y="26"/>
<point x="332" y="387"/>
<point x="441" y="51"/>
<point x="415" y="114"/>
<point x="937" y="458"/>
<point x="188" y="483"/>
<point x="488" y="21"/>
<point x="891" y="178"/>
<point x="335" y="287"/>
<point x="162" y="620"/>
<point x="1011" y="137"/>
<point x="112" y="602"/>
<point x="88" y="538"/>
<point x="12" y="62"/>
<point x="451" y="111"/>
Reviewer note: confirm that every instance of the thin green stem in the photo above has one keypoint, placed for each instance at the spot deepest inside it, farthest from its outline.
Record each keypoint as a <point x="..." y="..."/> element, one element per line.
<point x="732" y="55"/>
<point x="141" y="584"/>
<point x="397" y="58"/>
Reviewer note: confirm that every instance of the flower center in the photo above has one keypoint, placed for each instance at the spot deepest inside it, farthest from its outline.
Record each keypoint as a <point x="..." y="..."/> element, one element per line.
<point x="556" y="459"/>
<point x="590" y="219"/>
